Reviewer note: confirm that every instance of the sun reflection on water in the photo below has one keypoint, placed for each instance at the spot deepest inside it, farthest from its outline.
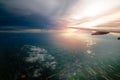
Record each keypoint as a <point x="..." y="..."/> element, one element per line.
<point x="85" y="58"/>
<point x="75" y="41"/>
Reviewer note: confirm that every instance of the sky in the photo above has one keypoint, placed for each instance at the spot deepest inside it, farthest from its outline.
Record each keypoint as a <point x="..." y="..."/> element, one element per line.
<point x="45" y="16"/>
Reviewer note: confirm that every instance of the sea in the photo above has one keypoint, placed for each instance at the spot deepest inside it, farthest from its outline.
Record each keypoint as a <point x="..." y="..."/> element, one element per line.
<point x="59" y="56"/>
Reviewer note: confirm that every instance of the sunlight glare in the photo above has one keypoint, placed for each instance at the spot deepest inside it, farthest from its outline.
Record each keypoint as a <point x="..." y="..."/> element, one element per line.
<point x="93" y="13"/>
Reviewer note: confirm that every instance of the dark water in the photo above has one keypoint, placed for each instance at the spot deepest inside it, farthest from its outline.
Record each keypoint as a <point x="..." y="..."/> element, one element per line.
<point x="65" y="57"/>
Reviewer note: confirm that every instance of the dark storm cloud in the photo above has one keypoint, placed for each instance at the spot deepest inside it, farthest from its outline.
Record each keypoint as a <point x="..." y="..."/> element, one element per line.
<point x="29" y="21"/>
<point x="31" y="14"/>
<point x="44" y="7"/>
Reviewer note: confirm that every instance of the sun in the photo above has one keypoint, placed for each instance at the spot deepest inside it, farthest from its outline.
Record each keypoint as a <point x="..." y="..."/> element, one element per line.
<point x="92" y="14"/>
<point x="71" y="30"/>
<point x="93" y="11"/>
<point x="89" y="11"/>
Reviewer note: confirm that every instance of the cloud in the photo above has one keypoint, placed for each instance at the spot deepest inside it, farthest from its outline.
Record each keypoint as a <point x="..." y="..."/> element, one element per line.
<point x="43" y="7"/>
<point x="35" y="14"/>
<point x="32" y="30"/>
<point x="109" y="19"/>
<point x="35" y="54"/>
<point x="32" y="14"/>
<point x="8" y="19"/>
<point x="40" y="59"/>
<point x="29" y="21"/>
<point x="92" y="13"/>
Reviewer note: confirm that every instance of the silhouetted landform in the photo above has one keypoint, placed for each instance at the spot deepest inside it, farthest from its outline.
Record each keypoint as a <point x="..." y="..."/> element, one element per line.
<point x="118" y="38"/>
<point x="99" y="33"/>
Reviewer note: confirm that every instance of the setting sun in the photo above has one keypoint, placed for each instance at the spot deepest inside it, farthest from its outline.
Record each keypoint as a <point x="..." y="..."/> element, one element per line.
<point x="93" y="14"/>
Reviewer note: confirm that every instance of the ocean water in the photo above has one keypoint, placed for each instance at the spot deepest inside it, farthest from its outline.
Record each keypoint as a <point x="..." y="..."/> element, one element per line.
<point x="59" y="56"/>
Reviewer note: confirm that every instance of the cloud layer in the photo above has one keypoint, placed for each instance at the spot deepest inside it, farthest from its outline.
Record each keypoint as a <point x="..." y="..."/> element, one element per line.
<point x="38" y="61"/>
<point x="43" y="7"/>
<point x="29" y="15"/>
